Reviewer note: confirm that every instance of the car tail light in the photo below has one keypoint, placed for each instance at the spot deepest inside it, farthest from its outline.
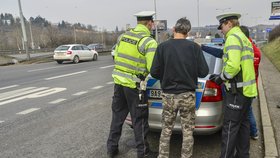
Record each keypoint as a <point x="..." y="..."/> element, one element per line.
<point x="69" y="52"/>
<point x="212" y="92"/>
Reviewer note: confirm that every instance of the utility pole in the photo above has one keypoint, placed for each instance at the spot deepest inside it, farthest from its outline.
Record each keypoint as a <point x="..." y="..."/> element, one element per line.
<point x="32" y="43"/>
<point x="75" y="36"/>
<point x="198" y="18"/>
<point x="23" y="31"/>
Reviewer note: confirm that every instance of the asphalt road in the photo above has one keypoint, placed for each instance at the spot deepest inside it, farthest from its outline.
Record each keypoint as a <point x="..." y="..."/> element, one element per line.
<point x="49" y="110"/>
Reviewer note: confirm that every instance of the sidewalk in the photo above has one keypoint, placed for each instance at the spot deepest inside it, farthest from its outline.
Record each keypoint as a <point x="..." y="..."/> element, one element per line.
<point x="16" y="58"/>
<point x="269" y="96"/>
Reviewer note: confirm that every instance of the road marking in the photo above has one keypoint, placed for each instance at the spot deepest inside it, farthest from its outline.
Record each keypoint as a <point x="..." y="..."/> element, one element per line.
<point x="2" y="122"/>
<point x="81" y="93"/>
<point x="27" y="111"/>
<point x="97" y="87"/>
<point x="57" y="101"/>
<point x="110" y="83"/>
<point x="12" y="86"/>
<point x="32" y="95"/>
<point x="104" y="67"/>
<point x="20" y="92"/>
<point x="46" y="92"/>
<point x="46" y="68"/>
<point x="66" y="75"/>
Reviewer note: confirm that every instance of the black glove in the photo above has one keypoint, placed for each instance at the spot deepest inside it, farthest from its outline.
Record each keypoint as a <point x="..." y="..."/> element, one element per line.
<point x="216" y="78"/>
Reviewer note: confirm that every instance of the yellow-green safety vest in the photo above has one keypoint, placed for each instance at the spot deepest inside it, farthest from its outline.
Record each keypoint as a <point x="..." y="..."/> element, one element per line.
<point x="238" y="61"/>
<point x="134" y="55"/>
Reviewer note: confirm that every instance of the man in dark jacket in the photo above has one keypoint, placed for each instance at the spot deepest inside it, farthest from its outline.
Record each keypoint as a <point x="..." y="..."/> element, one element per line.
<point x="177" y="64"/>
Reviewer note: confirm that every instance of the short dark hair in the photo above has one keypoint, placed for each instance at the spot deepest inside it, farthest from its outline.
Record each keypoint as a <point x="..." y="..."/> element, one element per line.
<point x="245" y="30"/>
<point x="183" y="25"/>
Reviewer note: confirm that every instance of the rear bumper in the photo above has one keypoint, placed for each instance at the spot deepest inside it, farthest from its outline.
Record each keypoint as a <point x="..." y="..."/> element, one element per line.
<point x="63" y="57"/>
<point x="209" y="119"/>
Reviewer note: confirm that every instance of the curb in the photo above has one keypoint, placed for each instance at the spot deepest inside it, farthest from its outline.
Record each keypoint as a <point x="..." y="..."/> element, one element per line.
<point x="270" y="149"/>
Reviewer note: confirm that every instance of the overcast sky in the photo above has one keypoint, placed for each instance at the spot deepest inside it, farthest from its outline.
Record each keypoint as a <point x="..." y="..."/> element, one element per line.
<point x="108" y="14"/>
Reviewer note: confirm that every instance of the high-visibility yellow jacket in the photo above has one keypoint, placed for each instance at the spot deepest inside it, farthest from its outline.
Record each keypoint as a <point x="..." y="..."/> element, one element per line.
<point x="238" y="61"/>
<point x="134" y="55"/>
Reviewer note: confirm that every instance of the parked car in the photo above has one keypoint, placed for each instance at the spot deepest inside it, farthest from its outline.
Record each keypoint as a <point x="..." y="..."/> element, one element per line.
<point x="113" y="51"/>
<point x="74" y="53"/>
<point x="97" y="47"/>
<point x="209" y="98"/>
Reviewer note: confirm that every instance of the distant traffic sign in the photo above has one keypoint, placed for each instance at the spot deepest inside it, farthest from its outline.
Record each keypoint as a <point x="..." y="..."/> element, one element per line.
<point x="275" y="11"/>
<point x="268" y="30"/>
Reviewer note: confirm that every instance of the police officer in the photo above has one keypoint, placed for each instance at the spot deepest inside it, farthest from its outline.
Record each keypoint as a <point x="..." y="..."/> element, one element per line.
<point x="238" y="76"/>
<point x="134" y="54"/>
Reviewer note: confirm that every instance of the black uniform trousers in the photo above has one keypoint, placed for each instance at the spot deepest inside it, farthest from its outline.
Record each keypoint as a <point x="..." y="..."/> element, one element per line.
<point x="236" y="126"/>
<point x="127" y="100"/>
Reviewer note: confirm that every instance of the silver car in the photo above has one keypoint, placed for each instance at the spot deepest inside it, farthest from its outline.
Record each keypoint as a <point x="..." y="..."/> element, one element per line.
<point x="74" y="53"/>
<point x="209" y="98"/>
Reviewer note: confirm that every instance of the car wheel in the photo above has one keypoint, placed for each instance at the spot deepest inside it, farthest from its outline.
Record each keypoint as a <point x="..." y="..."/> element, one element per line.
<point x="76" y="59"/>
<point x="59" y="61"/>
<point x="95" y="57"/>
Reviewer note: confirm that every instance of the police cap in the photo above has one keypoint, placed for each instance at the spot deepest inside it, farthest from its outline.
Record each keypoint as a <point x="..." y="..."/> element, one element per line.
<point x="225" y="17"/>
<point x="145" y="15"/>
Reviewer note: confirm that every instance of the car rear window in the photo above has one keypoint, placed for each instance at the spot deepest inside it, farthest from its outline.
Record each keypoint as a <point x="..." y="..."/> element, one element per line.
<point x="211" y="62"/>
<point x="62" y="48"/>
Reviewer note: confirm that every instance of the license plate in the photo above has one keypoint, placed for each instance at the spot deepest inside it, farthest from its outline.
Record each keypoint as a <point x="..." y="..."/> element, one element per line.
<point x="154" y="93"/>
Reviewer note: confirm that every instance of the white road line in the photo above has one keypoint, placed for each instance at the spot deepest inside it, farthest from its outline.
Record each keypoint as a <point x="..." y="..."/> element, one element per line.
<point x="110" y="83"/>
<point x="2" y="122"/>
<point x="57" y="101"/>
<point x="42" y="69"/>
<point x="80" y="93"/>
<point x="33" y="95"/>
<point x="104" y="67"/>
<point x="27" y="111"/>
<point x="46" y="68"/>
<point x="97" y="87"/>
<point x="66" y="75"/>
<point x="20" y="92"/>
<point x="12" y="86"/>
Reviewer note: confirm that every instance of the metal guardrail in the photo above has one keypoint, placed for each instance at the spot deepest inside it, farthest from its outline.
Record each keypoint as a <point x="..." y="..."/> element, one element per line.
<point x="261" y="43"/>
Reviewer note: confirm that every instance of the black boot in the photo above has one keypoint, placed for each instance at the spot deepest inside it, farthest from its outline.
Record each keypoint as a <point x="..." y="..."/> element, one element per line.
<point x="151" y="154"/>
<point x="113" y="153"/>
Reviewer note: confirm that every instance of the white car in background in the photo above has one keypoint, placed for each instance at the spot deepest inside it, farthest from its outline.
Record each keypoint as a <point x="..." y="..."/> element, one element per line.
<point x="74" y="53"/>
<point x="113" y="51"/>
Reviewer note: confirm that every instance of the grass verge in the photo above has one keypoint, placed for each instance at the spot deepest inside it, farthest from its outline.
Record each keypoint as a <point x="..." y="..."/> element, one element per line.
<point x="272" y="52"/>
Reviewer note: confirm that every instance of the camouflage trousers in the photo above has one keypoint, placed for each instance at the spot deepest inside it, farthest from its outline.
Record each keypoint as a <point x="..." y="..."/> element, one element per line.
<point x="185" y="104"/>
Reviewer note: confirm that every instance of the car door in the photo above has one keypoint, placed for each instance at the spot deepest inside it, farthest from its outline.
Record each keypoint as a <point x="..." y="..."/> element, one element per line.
<point x="80" y="52"/>
<point x="87" y="53"/>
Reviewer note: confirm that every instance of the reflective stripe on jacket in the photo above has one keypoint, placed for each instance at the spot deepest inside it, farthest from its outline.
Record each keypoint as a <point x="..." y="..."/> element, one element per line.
<point x="238" y="61"/>
<point x="134" y="54"/>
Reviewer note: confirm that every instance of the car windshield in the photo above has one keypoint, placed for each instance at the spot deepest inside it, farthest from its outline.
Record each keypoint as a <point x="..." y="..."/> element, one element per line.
<point x="62" y="48"/>
<point x="211" y="61"/>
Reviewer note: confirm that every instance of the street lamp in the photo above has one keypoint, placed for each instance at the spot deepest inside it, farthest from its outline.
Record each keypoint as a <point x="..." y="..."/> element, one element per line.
<point x="23" y="30"/>
<point x="156" y="31"/>
<point x="223" y="9"/>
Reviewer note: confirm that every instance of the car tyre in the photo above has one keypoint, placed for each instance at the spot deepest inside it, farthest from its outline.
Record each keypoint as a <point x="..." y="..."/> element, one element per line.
<point x="95" y="57"/>
<point x="59" y="61"/>
<point x="76" y="59"/>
